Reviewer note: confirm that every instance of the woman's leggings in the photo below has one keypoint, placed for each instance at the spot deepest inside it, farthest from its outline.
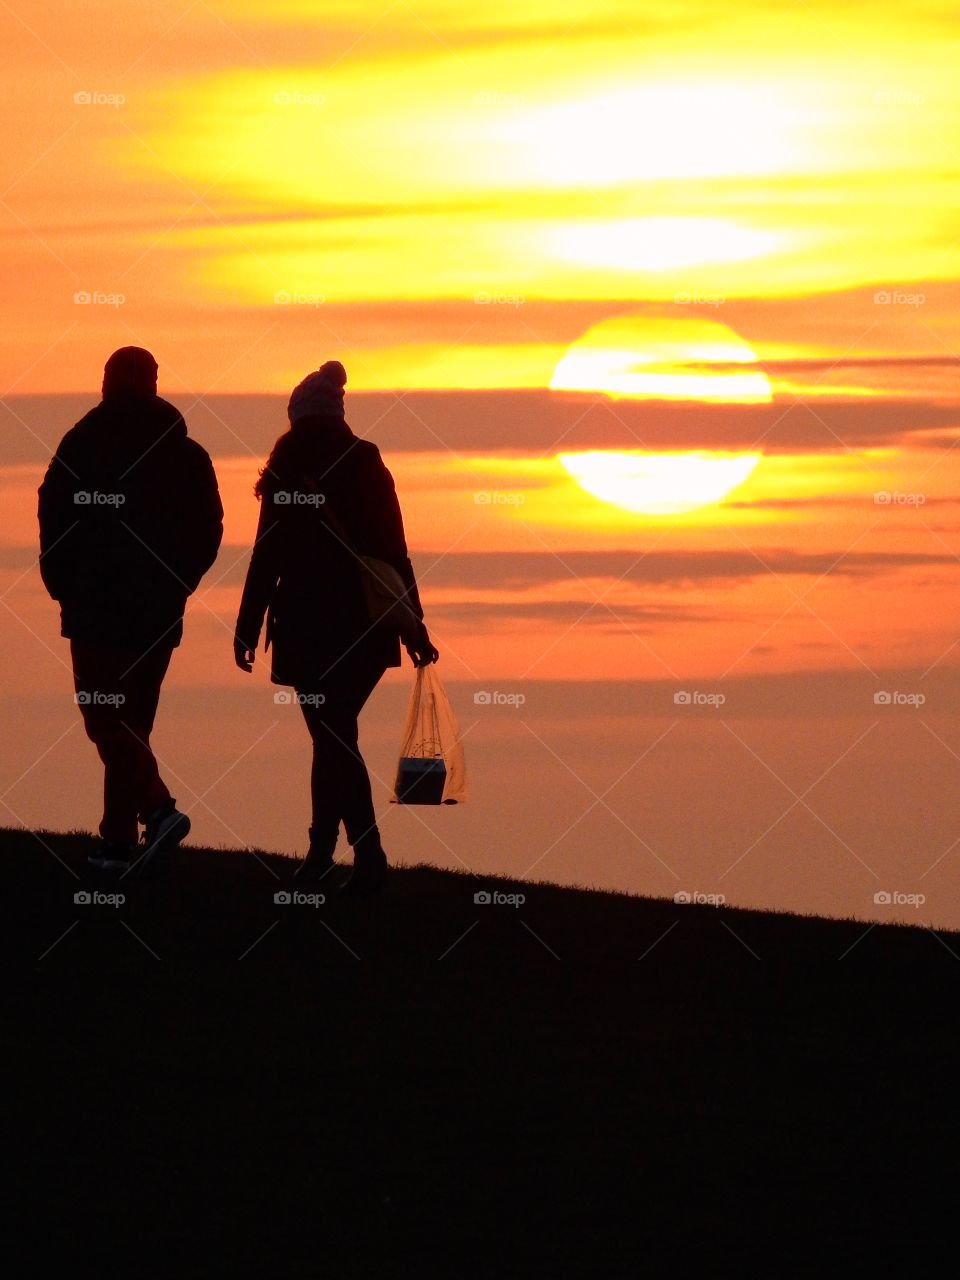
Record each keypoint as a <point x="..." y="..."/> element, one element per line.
<point x="339" y="782"/>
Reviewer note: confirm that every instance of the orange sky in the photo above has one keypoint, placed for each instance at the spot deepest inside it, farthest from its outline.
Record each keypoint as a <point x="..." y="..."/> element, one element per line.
<point x="741" y="220"/>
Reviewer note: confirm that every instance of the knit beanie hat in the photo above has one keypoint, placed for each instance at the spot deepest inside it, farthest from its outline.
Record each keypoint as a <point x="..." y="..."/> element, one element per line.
<point x="320" y="394"/>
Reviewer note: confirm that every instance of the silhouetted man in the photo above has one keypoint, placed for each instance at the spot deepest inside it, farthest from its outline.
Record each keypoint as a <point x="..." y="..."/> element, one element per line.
<point x="130" y="520"/>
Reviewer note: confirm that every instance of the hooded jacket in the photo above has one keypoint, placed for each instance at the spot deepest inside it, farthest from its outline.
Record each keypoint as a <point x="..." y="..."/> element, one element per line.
<point x="130" y="520"/>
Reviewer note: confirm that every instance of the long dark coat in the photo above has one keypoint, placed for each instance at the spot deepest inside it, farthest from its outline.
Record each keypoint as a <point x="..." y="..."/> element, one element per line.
<point x="302" y="576"/>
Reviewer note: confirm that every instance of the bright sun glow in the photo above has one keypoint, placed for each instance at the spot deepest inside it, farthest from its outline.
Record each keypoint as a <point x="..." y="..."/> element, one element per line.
<point x="677" y="130"/>
<point x="662" y="358"/>
<point x="659" y="244"/>
<point x="659" y="484"/>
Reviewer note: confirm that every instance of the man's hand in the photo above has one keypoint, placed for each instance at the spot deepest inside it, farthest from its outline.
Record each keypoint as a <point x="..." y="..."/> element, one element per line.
<point x="242" y="656"/>
<point x="422" y="653"/>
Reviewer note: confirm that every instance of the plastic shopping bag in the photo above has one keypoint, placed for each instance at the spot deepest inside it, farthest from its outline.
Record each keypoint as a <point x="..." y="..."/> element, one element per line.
<point x="432" y="768"/>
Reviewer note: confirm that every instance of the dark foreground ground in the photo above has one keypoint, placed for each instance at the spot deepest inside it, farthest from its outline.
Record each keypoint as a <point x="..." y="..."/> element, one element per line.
<point x="207" y="1082"/>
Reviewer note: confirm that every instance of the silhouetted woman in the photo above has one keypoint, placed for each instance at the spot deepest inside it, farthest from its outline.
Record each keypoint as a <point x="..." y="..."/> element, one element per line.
<point x="326" y="495"/>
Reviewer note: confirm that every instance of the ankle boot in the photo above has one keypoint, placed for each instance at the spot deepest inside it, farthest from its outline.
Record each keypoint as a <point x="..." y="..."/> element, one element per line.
<point x="319" y="859"/>
<point x="370" y="867"/>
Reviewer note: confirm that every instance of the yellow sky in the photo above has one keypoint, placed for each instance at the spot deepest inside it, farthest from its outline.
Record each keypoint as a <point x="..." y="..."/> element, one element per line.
<point x="238" y="174"/>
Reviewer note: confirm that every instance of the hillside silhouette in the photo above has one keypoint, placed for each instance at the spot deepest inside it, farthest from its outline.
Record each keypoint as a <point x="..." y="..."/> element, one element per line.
<point x="425" y="1085"/>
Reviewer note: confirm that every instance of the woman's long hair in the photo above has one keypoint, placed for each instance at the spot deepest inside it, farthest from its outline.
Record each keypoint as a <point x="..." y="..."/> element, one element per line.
<point x="304" y="448"/>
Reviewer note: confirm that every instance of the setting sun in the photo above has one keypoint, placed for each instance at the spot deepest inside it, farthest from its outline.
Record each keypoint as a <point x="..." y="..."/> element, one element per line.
<point x="658" y="484"/>
<point x="663" y="358"/>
